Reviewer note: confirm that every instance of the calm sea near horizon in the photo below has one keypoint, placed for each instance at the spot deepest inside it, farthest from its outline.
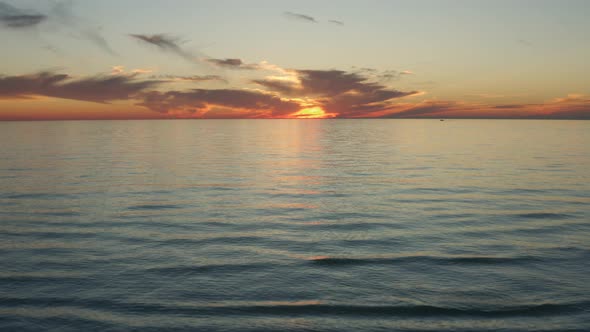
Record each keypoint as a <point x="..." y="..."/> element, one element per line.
<point x="295" y="225"/>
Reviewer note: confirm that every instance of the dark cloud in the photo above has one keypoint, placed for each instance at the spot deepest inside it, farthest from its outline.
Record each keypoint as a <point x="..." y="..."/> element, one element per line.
<point x="165" y="43"/>
<point x="227" y="62"/>
<point x="232" y="63"/>
<point x="100" y="89"/>
<point x="252" y="103"/>
<point x="336" y="82"/>
<point x="300" y="17"/>
<point x="339" y="92"/>
<point x="320" y="83"/>
<point x="336" y="22"/>
<point x="12" y="17"/>
<point x="22" y="21"/>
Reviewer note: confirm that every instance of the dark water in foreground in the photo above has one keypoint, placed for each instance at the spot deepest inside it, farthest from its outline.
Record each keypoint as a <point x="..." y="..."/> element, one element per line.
<point x="278" y="225"/>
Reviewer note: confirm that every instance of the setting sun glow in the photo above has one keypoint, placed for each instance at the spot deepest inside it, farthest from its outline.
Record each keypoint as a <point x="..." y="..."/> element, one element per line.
<point x="312" y="113"/>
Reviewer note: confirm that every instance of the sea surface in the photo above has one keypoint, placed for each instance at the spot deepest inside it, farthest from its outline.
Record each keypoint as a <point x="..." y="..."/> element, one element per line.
<point x="295" y="225"/>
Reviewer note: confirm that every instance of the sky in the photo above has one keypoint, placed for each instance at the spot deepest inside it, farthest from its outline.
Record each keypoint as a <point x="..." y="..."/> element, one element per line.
<point x="155" y="59"/>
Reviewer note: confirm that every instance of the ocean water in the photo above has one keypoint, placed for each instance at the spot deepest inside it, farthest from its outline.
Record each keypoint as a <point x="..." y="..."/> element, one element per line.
<point x="295" y="225"/>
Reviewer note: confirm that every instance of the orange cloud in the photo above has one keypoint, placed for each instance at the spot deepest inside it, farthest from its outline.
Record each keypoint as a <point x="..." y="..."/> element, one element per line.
<point x="199" y="102"/>
<point x="337" y="92"/>
<point x="292" y="94"/>
<point x="573" y="106"/>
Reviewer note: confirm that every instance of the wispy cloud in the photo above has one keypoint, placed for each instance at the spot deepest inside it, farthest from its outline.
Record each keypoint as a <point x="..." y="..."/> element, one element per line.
<point x="573" y="106"/>
<point x="232" y="63"/>
<point x="120" y="70"/>
<point x="525" y="42"/>
<point x="62" y="14"/>
<point x="389" y="75"/>
<point x="423" y="109"/>
<point x="192" y="78"/>
<point x="381" y="75"/>
<point x="117" y="70"/>
<point x="300" y="17"/>
<point x="53" y="49"/>
<point x="166" y="43"/>
<point x="336" y="22"/>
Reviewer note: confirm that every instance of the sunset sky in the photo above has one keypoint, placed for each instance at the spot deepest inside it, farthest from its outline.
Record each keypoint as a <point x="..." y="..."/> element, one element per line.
<point x="142" y="59"/>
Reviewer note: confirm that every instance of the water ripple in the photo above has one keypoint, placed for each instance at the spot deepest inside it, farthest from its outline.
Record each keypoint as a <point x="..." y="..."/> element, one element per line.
<point x="465" y="260"/>
<point x="532" y="310"/>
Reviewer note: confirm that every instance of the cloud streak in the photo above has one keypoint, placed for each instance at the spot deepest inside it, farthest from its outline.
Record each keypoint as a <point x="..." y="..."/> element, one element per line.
<point x="423" y="109"/>
<point x="300" y="17"/>
<point x="98" y="89"/>
<point x="165" y="43"/>
<point x="574" y="106"/>
<point x="12" y="17"/>
<point x="62" y="14"/>
<point x="525" y="42"/>
<point x="232" y="63"/>
<point x="192" y="78"/>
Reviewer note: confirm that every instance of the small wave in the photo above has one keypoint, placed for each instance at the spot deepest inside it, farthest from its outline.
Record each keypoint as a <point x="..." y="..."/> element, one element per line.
<point x="544" y="215"/>
<point x="225" y="240"/>
<point x="209" y="268"/>
<point x="456" y="215"/>
<point x="409" y="310"/>
<point x="14" y="279"/>
<point x="37" y="196"/>
<point x="304" y="309"/>
<point x="445" y="191"/>
<point x="60" y="213"/>
<point x="51" y="234"/>
<point x="351" y="215"/>
<point x="17" y="169"/>
<point x="353" y="226"/>
<point x="324" y="260"/>
<point x="154" y="207"/>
